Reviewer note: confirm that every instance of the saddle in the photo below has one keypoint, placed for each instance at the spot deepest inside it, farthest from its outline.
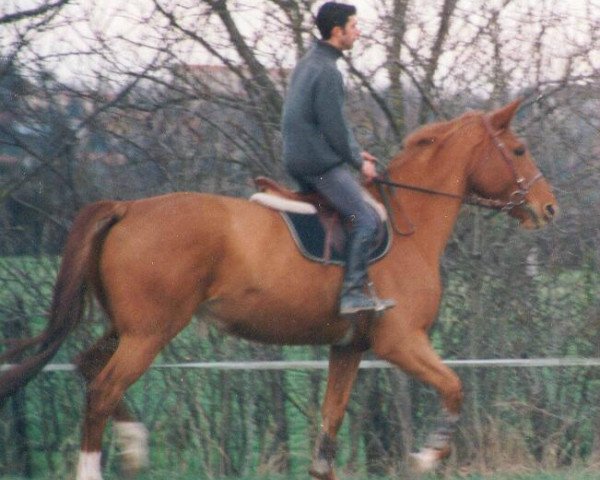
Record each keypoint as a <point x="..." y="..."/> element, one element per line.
<point x="302" y="210"/>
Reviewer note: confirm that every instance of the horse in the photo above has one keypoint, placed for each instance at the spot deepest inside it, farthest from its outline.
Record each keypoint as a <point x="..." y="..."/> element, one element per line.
<point x="153" y="263"/>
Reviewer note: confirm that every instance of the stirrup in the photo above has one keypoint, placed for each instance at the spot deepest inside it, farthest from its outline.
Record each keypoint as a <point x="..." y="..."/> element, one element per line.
<point x="360" y="302"/>
<point x="374" y="305"/>
<point x="381" y="303"/>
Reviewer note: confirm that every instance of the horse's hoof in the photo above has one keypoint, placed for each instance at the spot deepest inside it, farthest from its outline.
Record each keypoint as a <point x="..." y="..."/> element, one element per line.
<point x="426" y="460"/>
<point x="329" y="475"/>
<point x="88" y="467"/>
<point x="132" y="439"/>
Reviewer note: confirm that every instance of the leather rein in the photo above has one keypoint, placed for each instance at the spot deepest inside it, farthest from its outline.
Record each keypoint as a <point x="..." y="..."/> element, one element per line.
<point x="516" y="198"/>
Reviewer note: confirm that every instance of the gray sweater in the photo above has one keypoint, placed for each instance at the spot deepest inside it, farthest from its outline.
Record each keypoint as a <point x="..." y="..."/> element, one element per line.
<point x="316" y="136"/>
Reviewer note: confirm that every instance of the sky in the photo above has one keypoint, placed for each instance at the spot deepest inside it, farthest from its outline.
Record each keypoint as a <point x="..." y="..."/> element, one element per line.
<point x="83" y="22"/>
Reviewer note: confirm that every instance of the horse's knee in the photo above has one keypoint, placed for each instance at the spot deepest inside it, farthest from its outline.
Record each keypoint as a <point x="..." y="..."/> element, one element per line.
<point x="452" y="394"/>
<point x="103" y="398"/>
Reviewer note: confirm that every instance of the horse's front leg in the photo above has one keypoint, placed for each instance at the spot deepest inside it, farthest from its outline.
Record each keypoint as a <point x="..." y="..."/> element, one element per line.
<point x="343" y="366"/>
<point x="412" y="352"/>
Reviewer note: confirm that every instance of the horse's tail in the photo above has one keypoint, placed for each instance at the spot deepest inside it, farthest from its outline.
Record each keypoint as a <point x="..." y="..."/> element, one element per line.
<point x="80" y="258"/>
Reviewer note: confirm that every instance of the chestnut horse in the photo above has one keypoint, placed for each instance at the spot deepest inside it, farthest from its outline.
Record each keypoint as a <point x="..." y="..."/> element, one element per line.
<point x="155" y="262"/>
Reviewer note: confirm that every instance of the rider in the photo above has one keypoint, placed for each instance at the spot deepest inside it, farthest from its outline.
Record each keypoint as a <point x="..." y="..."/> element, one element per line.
<point x="319" y="148"/>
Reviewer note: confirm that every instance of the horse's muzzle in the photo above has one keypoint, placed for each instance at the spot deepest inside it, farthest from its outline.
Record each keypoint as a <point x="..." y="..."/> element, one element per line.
<point x="533" y="216"/>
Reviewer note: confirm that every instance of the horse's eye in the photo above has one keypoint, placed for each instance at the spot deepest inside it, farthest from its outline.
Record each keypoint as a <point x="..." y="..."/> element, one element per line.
<point x="520" y="151"/>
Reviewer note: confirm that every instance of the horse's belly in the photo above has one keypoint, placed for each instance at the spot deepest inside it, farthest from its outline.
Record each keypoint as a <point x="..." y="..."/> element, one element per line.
<point x="281" y="327"/>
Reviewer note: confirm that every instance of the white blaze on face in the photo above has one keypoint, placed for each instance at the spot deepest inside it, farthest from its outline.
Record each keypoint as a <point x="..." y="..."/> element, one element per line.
<point x="88" y="467"/>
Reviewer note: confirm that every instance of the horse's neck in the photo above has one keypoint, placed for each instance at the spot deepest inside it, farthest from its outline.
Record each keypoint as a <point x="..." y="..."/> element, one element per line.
<point x="433" y="216"/>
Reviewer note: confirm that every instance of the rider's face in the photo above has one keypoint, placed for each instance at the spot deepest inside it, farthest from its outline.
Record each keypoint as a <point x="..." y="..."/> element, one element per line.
<point x="348" y="34"/>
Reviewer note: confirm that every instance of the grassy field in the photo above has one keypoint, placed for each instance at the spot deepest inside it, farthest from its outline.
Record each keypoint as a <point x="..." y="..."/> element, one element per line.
<point x="164" y="399"/>
<point x="564" y="475"/>
<point x="575" y="474"/>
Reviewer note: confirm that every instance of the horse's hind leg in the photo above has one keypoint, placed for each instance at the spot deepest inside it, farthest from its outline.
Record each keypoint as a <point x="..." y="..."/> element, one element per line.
<point x="131" y="435"/>
<point x="412" y="352"/>
<point x="343" y="365"/>
<point x="131" y="359"/>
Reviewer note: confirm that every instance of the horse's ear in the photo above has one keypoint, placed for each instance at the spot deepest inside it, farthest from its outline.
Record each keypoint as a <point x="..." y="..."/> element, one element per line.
<point x="501" y="118"/>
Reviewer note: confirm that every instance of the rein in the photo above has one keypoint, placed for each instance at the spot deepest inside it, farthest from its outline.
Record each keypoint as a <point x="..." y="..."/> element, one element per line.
<point x="516" y="198"/>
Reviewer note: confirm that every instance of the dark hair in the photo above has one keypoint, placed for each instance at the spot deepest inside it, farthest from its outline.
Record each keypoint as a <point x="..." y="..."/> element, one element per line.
<point x="333" y="14"/>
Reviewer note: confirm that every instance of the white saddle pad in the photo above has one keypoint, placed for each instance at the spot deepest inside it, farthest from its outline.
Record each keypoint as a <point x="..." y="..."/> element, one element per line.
<point x="294" y="206"/>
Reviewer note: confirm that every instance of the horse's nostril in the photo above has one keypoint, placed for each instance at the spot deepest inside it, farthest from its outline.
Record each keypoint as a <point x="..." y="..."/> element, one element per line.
<point x="550" y="210"/>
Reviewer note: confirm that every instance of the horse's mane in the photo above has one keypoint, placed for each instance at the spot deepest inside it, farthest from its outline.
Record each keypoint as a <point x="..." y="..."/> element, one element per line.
<point x="427" y="139"/>
<point x="435" y="133"/>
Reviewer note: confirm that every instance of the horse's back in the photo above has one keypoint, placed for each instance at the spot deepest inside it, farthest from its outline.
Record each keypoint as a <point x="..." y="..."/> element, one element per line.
<point x="177" y="219"/>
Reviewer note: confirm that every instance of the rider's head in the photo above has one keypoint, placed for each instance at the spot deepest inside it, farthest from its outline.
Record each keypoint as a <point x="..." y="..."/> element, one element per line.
<point x="338" y="25"/>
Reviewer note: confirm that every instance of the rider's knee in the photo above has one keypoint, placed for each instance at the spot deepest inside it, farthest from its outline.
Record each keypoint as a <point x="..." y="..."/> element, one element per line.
<point x="366" y="222"/>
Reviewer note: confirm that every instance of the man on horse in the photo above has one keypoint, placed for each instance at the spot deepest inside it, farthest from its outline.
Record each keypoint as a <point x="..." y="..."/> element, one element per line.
<point x="319" y="148"/>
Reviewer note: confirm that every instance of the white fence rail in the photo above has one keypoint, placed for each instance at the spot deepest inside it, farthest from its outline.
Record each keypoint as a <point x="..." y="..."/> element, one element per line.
<point x="365" y="364"/>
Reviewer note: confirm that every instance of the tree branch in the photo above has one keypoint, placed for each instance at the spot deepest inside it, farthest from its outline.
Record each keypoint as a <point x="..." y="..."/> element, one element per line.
<point x="34" y="12"/>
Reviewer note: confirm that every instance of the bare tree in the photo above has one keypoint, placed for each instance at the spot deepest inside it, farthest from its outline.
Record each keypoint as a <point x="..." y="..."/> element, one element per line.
<point x="139" y="98"/>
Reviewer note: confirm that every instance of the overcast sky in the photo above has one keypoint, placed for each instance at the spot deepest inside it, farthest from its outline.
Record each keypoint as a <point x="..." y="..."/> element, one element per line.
<point x="85" y="20"/>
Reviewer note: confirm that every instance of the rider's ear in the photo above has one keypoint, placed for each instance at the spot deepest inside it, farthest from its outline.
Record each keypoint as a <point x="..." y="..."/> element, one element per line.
<point x="336" y="31"/>
<point x="500" y="119"/>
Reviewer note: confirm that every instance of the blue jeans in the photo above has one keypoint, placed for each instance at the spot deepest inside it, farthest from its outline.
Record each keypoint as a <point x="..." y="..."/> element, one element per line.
<point x="343" y="191"/>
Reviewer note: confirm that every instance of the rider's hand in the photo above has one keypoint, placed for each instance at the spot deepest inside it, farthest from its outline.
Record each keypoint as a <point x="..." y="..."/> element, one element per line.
<point x="369" y="168"/>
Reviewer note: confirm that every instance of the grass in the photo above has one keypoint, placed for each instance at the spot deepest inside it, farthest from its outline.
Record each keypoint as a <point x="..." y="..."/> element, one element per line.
<point x="559" y="475"/>
<point x="570" y="474"/>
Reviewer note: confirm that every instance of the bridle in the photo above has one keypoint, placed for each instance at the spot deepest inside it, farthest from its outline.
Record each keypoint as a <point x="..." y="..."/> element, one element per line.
<point x="515" y="199"/>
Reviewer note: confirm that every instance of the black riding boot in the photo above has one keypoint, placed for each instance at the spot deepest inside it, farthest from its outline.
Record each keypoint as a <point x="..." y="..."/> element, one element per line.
<point x="353" y="297"/>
